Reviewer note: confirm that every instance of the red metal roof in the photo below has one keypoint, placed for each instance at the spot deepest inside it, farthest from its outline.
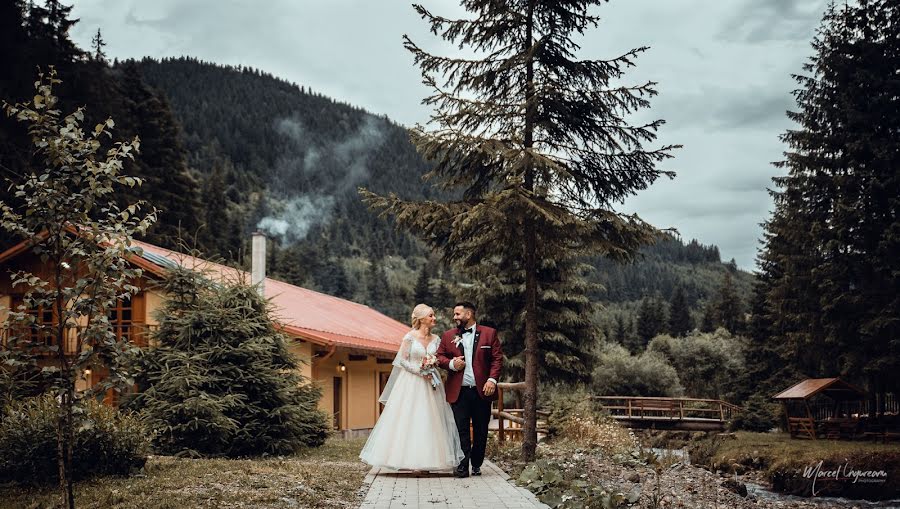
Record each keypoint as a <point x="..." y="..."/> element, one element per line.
<point x="303" y="313"/>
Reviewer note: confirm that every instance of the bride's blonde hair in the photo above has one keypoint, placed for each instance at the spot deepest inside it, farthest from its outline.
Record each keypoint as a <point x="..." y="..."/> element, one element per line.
<point x="419" y="313"/>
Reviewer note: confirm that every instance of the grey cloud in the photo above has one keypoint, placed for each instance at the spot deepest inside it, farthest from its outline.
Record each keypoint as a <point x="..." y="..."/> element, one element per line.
<point x="773" y="20"/>
<point x="717" y="108"/>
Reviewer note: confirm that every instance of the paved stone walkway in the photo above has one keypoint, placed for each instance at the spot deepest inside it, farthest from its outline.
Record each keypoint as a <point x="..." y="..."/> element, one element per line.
<point x="492" y="490"/>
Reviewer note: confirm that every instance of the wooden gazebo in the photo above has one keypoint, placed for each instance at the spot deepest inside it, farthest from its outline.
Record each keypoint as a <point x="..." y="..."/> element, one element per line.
<point x="827" y="403"/>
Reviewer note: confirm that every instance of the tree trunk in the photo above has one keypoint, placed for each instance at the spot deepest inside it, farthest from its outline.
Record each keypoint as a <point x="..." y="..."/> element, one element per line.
<point x="529" y="433"/>
<point x="64" y="441"/>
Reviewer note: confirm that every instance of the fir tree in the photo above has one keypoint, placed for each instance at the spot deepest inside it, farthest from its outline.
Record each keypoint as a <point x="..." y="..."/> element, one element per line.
<point x="538" y="144"/>
<point x="620" y="333"/>
<point x="163" y="165"/>
<point x="729" y="309"/>
<point x="377" y="285"/>
<point x="680" y="322"/>
<point x="216" y="213"/>
<point x="97" y="45"/>
<point x="651" y="320"/>
<point x="422" y="291"/>
<point x="709" y="320"/>
<point x="568" y="334"/>
<point x="222" y="382"/>
<point x="832" y="282"/>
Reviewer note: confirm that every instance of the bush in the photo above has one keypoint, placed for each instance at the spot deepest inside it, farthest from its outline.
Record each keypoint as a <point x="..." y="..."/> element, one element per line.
<point x="709" y="365"/>
<point x="759" y="415"/>
<point x="107" y="442"/>
<point x="619" y="373"/>
<point x="575" y="418"/>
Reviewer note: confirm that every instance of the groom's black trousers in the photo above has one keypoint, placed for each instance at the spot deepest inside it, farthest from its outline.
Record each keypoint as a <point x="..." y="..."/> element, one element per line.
<point x="470" y="406"/>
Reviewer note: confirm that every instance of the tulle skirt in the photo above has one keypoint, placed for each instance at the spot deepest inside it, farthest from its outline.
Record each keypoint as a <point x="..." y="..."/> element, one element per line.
<point x="416" y="430"/>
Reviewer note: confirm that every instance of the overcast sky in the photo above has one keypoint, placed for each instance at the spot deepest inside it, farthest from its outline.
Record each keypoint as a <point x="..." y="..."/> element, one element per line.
<point x="723" y="67"/>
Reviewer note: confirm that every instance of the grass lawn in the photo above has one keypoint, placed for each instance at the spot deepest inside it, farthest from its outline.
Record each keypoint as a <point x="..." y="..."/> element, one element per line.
<point x="330" y="476"/>
<point x="780" y="447"/>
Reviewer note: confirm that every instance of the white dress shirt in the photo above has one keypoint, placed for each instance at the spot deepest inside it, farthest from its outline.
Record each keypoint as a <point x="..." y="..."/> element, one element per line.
<point x="468" y="341"/>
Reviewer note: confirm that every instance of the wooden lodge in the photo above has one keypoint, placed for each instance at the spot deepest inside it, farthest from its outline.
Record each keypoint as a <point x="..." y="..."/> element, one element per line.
<point x="347" y="348"/>
<point x="834" y="409"/>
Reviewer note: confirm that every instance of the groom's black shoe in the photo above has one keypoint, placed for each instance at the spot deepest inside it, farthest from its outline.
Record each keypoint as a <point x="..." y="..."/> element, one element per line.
<point x="461" y="473"/>
<point x="476" y="470"/>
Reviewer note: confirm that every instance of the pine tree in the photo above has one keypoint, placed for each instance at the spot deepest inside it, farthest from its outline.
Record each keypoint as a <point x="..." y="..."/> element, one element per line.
<point x="163" y="164"/>
<point x="832" y="282"/>
<point x="680" y="322"/>
<point x="216" y="214"/>
<point x="710" y="319"/>
<point x="377" y="285"/>
<point x="222" y="382"/>
<point x="620" y="333"/>
<point x="651" y="320"/>
<point x="422" y="291"/>
<point x="538" y="145"/>
<point x="729" y="309"/>
<point x="97" y="45"/>
<point x="568" y="334"/>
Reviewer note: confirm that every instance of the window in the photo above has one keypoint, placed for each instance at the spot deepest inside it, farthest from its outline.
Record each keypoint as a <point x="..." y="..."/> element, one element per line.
<point x="40" y="330"/>
<point x="120" y="318"/>
<point x="127" y="320"/>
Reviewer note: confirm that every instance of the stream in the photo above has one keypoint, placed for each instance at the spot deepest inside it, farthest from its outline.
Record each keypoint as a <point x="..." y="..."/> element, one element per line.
<point x="765" y="494"/>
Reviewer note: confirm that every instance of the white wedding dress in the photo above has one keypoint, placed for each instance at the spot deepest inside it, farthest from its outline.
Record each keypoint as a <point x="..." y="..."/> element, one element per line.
<point x="416" y="430"/>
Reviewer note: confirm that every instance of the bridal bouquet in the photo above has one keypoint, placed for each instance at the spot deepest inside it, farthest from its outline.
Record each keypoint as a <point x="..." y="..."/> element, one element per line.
<point x="429" y="367"/>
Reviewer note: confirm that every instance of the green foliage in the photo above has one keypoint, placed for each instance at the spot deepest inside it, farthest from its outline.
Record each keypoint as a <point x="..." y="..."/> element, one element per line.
<point x="651" y="320"/>
<point x="729" y="309"/>
<point x="222" y="382"/>
<point x="560" y="489"/>
<point x="65" y="207"/>
<point x="709" y="365"/>
<point x="759" y="414"/>
<point x="619" y="373"/>
<point x="537" y="147"/>
<point x="680" y="321"/>
<point x="829" y="256"/>
<point x="422" y="291"/>
<point x="106" y="442"/>
<point x="567" y="334"/>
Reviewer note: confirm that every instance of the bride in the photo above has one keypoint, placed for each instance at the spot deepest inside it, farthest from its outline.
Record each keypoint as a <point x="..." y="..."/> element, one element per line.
<point x="416" y="430"/>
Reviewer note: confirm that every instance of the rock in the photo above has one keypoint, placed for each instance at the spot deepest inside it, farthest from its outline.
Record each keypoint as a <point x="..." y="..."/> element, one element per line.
<point x="635" y="478"/>
<point x="735" y="486"/>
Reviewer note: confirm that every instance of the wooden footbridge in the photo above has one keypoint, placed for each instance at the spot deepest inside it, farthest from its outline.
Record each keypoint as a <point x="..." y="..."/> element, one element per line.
<point x="687" y="414"/>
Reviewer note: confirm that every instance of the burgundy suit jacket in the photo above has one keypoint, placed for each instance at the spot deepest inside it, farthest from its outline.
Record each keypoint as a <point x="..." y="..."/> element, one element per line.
<point x="487" y="361"/>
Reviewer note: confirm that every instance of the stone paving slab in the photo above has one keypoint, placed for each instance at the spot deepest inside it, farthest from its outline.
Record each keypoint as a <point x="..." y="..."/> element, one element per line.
<point x="388" y="489"/>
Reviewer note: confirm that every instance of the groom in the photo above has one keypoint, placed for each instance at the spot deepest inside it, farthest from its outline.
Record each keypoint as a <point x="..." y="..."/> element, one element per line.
<point x="473" y="357"/>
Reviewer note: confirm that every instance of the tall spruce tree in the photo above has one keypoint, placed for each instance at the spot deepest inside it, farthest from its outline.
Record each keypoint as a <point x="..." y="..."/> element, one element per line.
<point x="568" y="335"/>
<point x="680" y="322"/>
<point x="422" y="291"/>
<point x="97" y="45"/>
<point x="832" y="282"/>
<point x="651" y="320"/>
<point x="163" y="165"/>
<point x="729" y="308"/>
<point x="537" y="144"/>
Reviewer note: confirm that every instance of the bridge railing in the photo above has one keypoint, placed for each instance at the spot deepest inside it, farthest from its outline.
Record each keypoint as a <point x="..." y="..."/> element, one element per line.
<point x="639" y="407"/>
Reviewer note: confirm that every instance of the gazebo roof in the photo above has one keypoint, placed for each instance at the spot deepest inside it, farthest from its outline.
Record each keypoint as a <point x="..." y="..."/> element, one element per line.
<point x="834" y="388"/>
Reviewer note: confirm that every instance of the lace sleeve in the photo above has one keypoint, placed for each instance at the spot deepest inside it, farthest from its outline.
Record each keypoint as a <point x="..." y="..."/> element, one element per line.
<point x="403" y="358"/>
